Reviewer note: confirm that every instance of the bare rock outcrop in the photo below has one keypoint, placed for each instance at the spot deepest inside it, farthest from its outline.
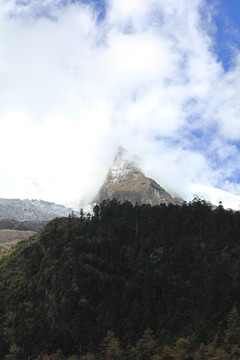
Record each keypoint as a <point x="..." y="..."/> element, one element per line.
<point x="126" y="182"/>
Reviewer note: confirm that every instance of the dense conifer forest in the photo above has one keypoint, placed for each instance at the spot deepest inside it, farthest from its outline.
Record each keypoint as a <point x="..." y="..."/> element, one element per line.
<point x="128" y="282"/>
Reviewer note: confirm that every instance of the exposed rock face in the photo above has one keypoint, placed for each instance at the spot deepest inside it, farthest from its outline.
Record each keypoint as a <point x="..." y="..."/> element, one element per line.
<point x="125" y="181"/>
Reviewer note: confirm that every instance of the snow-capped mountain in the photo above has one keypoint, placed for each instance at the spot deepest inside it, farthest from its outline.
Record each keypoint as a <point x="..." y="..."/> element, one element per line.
<point x="31" y="210"/>
<point x="125" y="181"/>
<point x="215" y="195"/>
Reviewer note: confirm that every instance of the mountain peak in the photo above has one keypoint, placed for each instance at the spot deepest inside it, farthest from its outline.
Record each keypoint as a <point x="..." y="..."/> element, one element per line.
<point x="126" y="182"/>
<point x="124" y="156"/>
<point x="121" y="153"/>
<point x="124" y="167"/>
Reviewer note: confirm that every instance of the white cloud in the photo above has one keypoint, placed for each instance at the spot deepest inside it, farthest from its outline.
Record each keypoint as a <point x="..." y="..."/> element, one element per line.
<point x="73" y="89"/>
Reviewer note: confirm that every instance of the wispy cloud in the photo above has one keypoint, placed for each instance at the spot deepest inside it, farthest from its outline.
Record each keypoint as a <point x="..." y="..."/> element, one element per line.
<point x="73" y="88"/>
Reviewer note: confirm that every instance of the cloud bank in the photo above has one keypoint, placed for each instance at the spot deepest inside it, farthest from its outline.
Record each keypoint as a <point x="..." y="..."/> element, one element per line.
<point x="73" y="87"/>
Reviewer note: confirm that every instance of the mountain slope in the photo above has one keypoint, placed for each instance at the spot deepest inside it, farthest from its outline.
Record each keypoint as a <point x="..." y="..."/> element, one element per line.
<point x="31" y="210"/>
<point x="9" y="238"/>
<point x="125" y="181"/>
<point x="173" y="269"/>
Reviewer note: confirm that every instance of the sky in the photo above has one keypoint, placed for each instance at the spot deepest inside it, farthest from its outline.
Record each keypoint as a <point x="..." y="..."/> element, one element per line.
<point x="80" y="78"/>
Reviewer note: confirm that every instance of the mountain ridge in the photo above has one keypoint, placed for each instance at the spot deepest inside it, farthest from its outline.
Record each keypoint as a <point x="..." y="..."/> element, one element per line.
<point x="31" y="210"/>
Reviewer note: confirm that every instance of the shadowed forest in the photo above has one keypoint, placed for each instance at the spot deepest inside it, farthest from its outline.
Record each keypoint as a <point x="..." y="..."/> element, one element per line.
<point x="128" y="282"/>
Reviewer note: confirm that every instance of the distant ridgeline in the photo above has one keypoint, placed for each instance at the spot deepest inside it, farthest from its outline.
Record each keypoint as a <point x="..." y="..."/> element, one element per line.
<point x="130" y="282"/>
<point x="31" y="210"/>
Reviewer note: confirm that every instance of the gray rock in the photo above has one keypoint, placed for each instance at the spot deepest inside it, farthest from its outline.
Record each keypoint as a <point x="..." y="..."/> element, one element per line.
<point x="125" y="181"/>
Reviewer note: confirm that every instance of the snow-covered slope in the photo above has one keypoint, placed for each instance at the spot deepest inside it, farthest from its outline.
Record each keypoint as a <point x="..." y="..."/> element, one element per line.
<point x="31" y="210"/>
<point x="214" y="196"/>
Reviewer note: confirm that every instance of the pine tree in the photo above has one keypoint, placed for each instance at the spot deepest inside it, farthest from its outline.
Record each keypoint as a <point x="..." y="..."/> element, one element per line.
<point x="14" y="353"/>
<point x="110" y="348"/>
<point x="167" y="353"/>
<point x="58" y="355"/>
<point x="181" y="349"/>
<point x="233" y="327"/>
<point x="88" y="356"/>
<point x="147" y="346"/>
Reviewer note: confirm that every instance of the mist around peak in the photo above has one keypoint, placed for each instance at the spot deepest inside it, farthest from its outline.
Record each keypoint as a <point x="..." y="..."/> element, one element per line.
<point x="126" y="182"/>
<point x="147" y="76"/>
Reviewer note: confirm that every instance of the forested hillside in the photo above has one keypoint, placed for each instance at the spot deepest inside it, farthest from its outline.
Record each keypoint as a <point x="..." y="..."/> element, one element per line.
<point x="130" y="282"/>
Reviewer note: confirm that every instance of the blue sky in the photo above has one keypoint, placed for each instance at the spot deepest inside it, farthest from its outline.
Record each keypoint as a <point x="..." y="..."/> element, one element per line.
<point x="80" y="78"/>
<point x="227" y="29"/>
<point x="227" y="21"/>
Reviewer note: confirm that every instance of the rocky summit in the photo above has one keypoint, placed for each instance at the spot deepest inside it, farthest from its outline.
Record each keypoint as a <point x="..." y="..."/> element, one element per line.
<point x="126" y="182"/>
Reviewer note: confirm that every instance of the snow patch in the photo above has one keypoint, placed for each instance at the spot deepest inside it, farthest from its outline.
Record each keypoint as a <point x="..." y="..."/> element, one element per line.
<point x="124" y="164"/>
<point x="31" y="210"/>
<point x="215" y="195"/>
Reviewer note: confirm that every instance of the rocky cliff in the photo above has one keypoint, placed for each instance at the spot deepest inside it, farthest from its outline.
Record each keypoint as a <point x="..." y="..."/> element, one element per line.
<point x="125" y="181"/>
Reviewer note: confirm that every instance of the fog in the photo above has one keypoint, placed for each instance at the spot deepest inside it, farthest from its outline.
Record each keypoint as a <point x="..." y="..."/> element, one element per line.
<point x="74" y="87"/>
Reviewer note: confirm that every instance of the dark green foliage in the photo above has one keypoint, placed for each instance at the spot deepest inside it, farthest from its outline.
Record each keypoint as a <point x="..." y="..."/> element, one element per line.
<point x="172" y="269"/>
